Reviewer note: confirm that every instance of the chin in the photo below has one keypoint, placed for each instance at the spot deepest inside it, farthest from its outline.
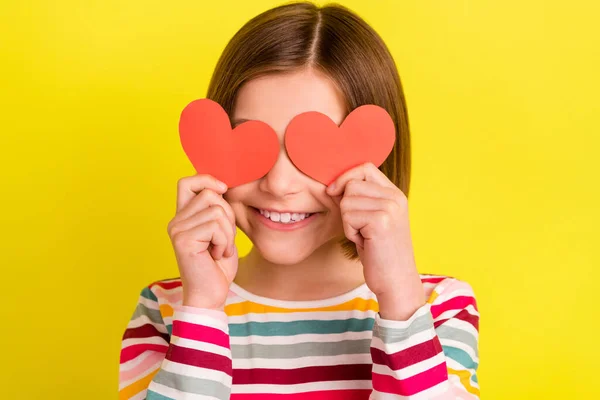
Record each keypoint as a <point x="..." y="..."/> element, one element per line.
<point x="281" y="253"/>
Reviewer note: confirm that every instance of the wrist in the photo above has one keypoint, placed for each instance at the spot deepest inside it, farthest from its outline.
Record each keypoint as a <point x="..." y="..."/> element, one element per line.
<point x="399" y="309"/>
<point x="402" y="303"/>
<point x="202" y="302"/>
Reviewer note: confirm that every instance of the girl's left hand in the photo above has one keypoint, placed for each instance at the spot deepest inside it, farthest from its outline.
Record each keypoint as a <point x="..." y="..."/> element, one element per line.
<point x="375" y="217"/>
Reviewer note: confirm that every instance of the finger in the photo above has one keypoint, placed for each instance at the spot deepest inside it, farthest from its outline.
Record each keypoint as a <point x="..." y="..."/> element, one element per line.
<point x="188" y="187"/>
<point x="199" y="238"/>
<point x="367" y="223"/>
<point x="352" y="232"/>
<point x="361" y="203"/>
<point x="205" y="199"/>
<point x="370" y="189"/>
<point x="213" y="213"/>
<point x="365" y="172"/>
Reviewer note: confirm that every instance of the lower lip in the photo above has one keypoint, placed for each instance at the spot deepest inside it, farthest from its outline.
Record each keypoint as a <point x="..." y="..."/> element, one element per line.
<point x="284" y="227"/>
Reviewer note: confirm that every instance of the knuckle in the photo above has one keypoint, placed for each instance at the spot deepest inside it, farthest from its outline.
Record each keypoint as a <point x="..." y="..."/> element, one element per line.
<point x="179" y="240"/>
<point x="384" y="219"/>
<point x="182" y="182"/>
<point x="344" y="204"/>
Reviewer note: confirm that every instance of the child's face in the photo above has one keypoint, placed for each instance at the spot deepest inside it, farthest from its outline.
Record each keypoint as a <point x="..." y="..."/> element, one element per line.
<point x="275" y="100"/>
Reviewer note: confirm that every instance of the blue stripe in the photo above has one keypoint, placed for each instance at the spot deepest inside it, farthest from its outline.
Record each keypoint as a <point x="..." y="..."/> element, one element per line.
<point x="300" y="327"/>
<point x="460" y="356"/>
<point x="147" y="293"/>
<point x="152" y="395"/>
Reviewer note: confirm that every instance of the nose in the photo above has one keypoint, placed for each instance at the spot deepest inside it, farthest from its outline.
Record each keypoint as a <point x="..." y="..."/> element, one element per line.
<point x="284" y="179"/>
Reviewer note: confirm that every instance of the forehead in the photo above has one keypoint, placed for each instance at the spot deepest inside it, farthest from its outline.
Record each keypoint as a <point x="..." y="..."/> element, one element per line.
<point x="277" y="98"/>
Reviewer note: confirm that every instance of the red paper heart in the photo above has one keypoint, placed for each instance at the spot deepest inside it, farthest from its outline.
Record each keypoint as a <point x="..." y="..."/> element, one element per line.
<point x="234" y="156"/>
<point x="323" y="151"/>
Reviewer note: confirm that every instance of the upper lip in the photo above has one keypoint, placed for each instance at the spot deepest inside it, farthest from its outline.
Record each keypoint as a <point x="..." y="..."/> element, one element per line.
<point x="283" y="212"/>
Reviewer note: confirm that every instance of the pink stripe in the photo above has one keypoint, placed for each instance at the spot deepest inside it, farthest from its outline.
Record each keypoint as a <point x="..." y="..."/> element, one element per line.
<point x="455" y="303"/>
<point x="434" y="280"/>
<point x="358" y="394"/>
<point x="143" y="368"/>
<point x="216" y="314"/>
<point x="200" y="333"/>
<point x="412" y="385"/>
<point x="166" y="296"/>
<point x="131" y="352"/>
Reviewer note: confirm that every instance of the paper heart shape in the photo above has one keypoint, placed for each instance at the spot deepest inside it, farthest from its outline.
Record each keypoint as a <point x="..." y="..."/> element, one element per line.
<point x="324" y="151"/>
<point x="234" y="156"/>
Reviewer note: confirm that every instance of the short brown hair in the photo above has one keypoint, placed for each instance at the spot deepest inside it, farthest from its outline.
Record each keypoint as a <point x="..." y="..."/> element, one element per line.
<point x="334" y="40"/>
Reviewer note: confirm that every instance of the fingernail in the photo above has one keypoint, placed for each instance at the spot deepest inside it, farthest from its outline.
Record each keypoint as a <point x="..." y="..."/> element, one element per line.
<point x="331" y="187"/>
<point x="221" y="185"/>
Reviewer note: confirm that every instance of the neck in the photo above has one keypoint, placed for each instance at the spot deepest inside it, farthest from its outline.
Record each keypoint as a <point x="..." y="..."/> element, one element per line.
<point x="325" y="273"/>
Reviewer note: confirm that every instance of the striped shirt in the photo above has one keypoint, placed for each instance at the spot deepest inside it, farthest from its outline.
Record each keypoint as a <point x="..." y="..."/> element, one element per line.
<point x="264" y="349"/>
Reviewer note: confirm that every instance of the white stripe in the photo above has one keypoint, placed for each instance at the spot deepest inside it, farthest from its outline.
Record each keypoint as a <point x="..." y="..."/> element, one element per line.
<point x="143" y="320"/>
<point x="461" y="325"/>
<point x="302" y="387"/>
<point x="177" y="394"/>
<point x="332" y="301"/>
<point x="140" y="396"/>
<point x="302" y="338"/>
<point x="151" y="304"/>
<point x="301" y="362"/>
<point x="463" y="346"/>
<point x="134" y="362"/>
<point x="199" y="345"/>
<point x="459" y="388"/>
<point x="196" y="372"/>
<point x="148" y="340"/>
<point x="452" y="312"/>
<point x="412" y="340"/>
<point x="301" y="316"/>
<point x="411" y="370"/>
<point x="439" y="389"/>
<point x="204" y="320"/>
<point x="234" y="300"/>
<point x="455" y="365"/>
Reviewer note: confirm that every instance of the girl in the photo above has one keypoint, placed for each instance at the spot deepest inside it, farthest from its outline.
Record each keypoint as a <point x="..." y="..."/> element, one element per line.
<point x="329" y="303"/>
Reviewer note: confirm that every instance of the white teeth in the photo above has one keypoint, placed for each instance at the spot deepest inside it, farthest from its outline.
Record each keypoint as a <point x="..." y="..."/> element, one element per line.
<point x="284" y="218"/>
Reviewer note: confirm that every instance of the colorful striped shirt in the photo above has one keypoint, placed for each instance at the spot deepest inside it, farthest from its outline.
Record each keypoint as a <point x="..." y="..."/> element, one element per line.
<point x="264" y="349"/>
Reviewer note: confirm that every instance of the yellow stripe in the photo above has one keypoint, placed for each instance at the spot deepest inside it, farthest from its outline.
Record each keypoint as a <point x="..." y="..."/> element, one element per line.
<point x="246" y="307"/>
<point x="465" y="379"/>
<point x="166" y="310"/>
<point x="432" y="297"/>
<point x="137" y="386"/>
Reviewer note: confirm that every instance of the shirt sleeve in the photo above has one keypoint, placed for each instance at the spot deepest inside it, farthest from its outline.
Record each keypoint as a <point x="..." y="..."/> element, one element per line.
<point x="432" y="355"/>
<point x="195" y="359"/>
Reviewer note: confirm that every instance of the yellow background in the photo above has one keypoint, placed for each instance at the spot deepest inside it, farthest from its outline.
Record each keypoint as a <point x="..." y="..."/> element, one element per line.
<point x="503" y="104"/>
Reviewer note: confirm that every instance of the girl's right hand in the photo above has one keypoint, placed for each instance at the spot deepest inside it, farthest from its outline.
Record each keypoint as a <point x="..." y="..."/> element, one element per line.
<point x="203" y="237"/>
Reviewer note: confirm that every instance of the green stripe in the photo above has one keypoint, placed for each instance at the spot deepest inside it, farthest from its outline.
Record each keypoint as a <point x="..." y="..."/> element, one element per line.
<point x="311" y="349"/>
<point x="147" y="293"/>
<point x="395" y="335"/>
<point x="152" y="395"/>
<point x="460" y="356"/>
<point x="154" y="315"/>
<point x="190" y="384"/>
<point x="300" y="327"/>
